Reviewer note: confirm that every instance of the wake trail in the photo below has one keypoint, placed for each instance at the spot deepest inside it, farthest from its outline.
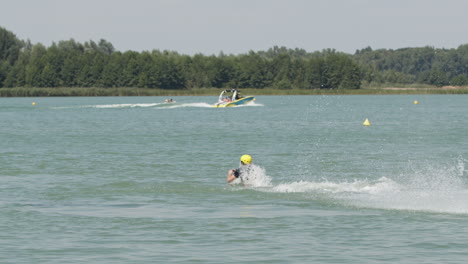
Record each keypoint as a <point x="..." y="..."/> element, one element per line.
<point x="151" y="105"/>
<point x="432" y="189"/>
<point x="111" y="106"/>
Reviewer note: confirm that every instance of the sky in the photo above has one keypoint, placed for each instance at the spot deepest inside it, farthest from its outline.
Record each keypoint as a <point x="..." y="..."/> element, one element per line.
<point x="239" y="26"/>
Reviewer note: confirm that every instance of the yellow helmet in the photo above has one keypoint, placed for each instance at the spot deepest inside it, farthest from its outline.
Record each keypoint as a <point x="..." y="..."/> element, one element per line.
<point x="246" y="159"/>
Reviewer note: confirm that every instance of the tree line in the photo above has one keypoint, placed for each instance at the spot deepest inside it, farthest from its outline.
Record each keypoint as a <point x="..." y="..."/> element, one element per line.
<point x="425" y="65"/>
<point x="97" y="64"/>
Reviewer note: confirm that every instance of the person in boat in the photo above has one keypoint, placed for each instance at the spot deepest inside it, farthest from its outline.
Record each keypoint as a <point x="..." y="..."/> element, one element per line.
<point x="242" y="172"/>
<point x="169" y="100"/>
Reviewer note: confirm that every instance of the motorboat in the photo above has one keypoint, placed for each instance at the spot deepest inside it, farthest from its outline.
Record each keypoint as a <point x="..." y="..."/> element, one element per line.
<point x="232" y="97"/>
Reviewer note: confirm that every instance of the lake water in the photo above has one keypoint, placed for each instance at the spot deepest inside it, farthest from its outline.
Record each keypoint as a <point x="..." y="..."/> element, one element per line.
<point x="134" y="180"/>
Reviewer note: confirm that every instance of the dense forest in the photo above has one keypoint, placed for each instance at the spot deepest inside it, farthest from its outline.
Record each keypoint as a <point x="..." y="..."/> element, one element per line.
<point x="97" y="64"/>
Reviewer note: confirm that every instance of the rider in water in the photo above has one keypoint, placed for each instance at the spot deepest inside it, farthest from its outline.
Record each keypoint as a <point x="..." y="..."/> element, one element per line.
<point x="241" y="172"/>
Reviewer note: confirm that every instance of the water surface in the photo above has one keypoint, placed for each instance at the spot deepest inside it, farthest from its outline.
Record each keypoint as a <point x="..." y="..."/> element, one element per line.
<point x="134" y="180"/>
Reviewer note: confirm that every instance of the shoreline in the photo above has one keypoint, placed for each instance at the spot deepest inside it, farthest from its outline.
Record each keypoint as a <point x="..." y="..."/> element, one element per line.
<point x="76" y="92"/>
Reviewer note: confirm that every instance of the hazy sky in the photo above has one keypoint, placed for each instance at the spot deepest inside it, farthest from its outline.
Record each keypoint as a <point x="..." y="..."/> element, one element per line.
<point x="238" y="26"/>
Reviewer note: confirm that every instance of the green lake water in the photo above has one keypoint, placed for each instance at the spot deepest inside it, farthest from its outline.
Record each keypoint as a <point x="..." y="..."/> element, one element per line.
<point x="134" y="180"/>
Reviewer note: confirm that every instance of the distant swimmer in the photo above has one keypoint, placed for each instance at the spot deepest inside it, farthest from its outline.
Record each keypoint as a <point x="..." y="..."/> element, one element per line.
<point x="242" y="172"/>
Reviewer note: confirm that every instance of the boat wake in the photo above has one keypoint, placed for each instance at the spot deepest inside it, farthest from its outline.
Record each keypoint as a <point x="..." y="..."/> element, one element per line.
<point x="112" y="106"/>
<point x="185" y="105"/>
<point x="124" y="105"/>
<point x="251" y="103"/>
<point x="152" y="105"/>
<point x="430" y="189"/>
<point x="205" y="105"/>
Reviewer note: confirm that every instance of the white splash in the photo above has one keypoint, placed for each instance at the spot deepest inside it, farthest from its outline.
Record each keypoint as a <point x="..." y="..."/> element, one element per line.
<point x="110" y="106"/>
<point x="256" y="177"/>
<point x="440" y="189"/>
<point x="124" y="105"/>
<point x="434" y="189"/>
<point x="364" y="186"/>
<point x="251" y="103"/>
<point x="154" y="105"/>
<point x="172" y="106"/>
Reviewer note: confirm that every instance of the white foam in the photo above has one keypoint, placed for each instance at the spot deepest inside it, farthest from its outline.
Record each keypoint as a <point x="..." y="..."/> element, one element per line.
<point x="156" y="105"/>
<point x="364" y="186"/>
<point x="109" y="106"/>
<point x="440" y="189"/>
<point x="437" y="189"/>
<point x="251" y="103"/>
<point x="204" y="105"/>
<point x="172" y="106"/>
<point x="256" y="178"/>
<point x="124" y="105"/>
<point x="387" y="194"/>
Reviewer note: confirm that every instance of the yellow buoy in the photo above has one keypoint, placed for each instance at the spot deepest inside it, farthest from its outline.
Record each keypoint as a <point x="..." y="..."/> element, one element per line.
<point x="416" y="102"/>
<point x="33" y="103"/>
<point x="366" y="122"/>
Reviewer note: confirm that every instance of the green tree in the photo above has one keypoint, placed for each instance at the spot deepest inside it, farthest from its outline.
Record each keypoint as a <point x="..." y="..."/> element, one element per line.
<point x="88" y="74"/>
<point x="316" y="76"/>
<point x="222" y="71"/>
<point x="459" y="80"/>
<point x="72" y="56"/>
<point x="35" y="66"/>
<point x="10" y="47"/>
<point x="16" y="77"/>
<point x="253" y="71"/>
<point x="112" y="71"/>
<point x="51" y="68"/>
<point x="197" y="74"/>
<point x="283" y="84"/>
<point x="167" y="72"/>
<point x="105" y="47"/>
<point x="341" y="72"/>
<point x="281" y="67"/>
<point x="131" y="70"/>
<point x="100" y="61"/>
<point x="49" y="77"/>
<point x="437" y="78"/>
<point x="145" y="61"/>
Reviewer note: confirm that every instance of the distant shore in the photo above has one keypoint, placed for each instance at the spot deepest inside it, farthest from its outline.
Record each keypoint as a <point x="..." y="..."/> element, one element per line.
<point x="63" y="92"/>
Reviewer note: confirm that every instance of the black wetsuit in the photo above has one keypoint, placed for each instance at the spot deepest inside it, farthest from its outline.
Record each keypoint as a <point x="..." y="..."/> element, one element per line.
<point x="242" y="173"/>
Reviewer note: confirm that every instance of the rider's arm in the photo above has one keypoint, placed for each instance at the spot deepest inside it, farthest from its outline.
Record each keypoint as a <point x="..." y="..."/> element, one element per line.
<point x="232" y="175"/>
